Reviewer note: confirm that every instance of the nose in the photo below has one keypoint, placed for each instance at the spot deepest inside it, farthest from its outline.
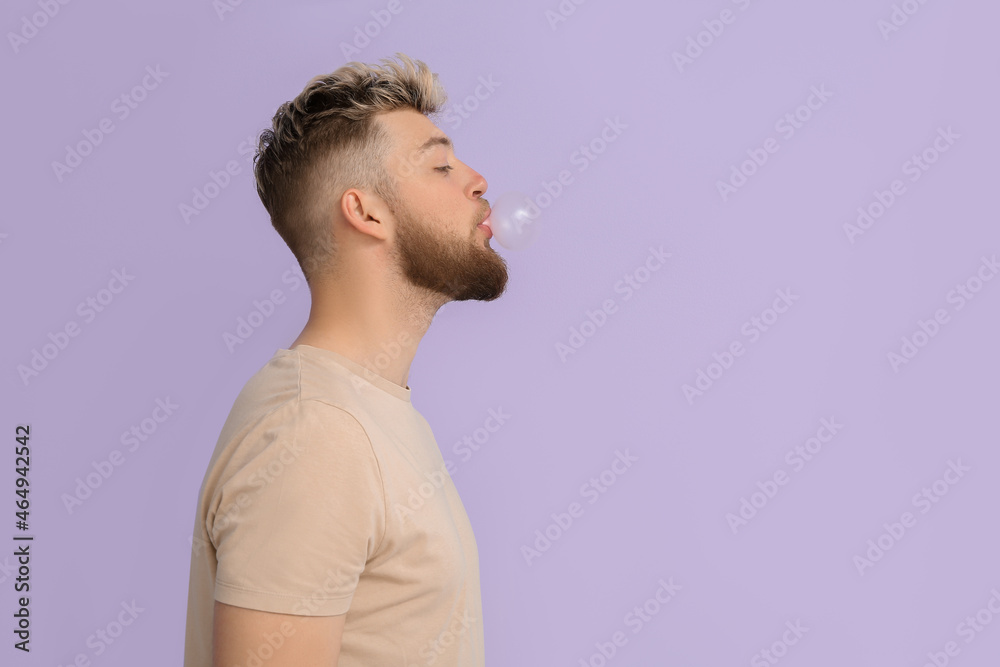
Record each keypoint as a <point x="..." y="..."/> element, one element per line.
<point x="477" y="184"/>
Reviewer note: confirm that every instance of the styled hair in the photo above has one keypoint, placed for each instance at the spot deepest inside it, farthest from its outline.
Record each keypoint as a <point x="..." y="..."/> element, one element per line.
<point x="327" y="140"/>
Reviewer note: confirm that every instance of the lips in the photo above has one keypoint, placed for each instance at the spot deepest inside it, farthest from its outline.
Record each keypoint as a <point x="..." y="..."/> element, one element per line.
<point x="486" y="224"/>
<point x="486" y="228"/>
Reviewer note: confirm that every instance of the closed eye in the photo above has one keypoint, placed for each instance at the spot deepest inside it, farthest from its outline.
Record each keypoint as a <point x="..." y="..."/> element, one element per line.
<point x="444" y="169"/>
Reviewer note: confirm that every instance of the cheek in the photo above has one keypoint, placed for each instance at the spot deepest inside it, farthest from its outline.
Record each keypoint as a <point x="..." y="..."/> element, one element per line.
<point x="413" y="197"/>
<point x="437" y="201"/>
<point x="432" y="202"/>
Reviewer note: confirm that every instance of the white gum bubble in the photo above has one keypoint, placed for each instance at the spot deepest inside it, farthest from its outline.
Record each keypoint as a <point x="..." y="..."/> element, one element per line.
<point x="514" y="220"/>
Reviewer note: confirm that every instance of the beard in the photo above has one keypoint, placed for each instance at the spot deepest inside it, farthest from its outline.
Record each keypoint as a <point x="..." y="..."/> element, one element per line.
<point x="461" y="268"/>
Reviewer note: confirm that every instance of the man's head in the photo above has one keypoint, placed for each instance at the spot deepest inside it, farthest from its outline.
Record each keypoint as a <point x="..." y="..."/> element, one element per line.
<point x="354" y="163"/>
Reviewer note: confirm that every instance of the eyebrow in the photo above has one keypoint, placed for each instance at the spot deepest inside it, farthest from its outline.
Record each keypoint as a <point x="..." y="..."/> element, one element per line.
<point x="436" y="140"/>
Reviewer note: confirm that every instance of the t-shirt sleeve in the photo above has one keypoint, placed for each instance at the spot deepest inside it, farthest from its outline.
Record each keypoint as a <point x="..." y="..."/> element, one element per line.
<point x="296" y="523"/>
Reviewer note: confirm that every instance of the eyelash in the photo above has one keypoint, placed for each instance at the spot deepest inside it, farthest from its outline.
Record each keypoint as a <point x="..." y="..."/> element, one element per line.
<point x="444" y="169"/>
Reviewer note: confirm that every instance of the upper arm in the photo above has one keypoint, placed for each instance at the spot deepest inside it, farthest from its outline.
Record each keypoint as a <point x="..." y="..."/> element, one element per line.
<point x="290" y="640"/>
<point x="296" y="524"/>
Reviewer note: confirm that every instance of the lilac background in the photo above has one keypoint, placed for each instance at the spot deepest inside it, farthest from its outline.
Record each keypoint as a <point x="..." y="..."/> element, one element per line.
<point x="655" y="185"/>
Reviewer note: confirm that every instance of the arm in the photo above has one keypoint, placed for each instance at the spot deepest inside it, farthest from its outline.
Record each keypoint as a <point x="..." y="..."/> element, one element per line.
<point x="290" y="640"/>
<point x="294" y="528"/>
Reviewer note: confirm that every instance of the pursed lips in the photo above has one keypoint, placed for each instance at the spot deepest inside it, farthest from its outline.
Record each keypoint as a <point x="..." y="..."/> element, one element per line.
<point x="489" y="212"/>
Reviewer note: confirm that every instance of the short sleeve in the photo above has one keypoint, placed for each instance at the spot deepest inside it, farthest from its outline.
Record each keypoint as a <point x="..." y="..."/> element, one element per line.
<point x="296" y="523"/>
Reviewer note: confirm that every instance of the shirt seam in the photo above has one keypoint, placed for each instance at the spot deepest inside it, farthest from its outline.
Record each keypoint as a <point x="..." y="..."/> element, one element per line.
<point x="244" y="589"/>
<point x="371" y="448"/>
<point x="408" y="399"/>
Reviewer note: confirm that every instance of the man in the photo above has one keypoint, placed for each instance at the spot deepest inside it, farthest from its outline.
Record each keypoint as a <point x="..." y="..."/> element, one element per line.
<point x="311" y="547"/>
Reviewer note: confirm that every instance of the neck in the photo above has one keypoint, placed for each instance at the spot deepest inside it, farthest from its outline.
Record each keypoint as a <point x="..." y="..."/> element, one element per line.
<point x="374" y="323"/>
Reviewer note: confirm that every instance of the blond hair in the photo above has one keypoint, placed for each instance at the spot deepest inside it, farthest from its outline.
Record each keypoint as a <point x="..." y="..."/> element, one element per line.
<point x="326" y="140"/>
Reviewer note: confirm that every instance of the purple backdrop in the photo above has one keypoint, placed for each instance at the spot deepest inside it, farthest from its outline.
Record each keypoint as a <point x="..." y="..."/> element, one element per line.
<point x="747" y="370"/>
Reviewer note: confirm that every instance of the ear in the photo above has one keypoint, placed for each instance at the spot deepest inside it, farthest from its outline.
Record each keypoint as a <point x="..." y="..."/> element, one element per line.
<point x="365" y="212"/>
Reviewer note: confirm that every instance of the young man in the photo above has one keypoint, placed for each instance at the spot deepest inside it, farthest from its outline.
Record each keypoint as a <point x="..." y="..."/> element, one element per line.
<point x="310" y="549"/>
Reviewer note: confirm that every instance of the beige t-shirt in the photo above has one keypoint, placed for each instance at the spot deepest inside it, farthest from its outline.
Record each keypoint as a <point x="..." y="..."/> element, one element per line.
<point x="327" y="494"/>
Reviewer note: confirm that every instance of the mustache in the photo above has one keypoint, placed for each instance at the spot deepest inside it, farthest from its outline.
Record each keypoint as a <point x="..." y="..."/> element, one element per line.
<point x="482" y="215"/>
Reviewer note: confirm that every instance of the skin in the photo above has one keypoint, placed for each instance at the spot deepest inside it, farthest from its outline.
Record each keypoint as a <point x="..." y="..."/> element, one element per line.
<point x="397" y="264"/>
<point x="302" y="641"/>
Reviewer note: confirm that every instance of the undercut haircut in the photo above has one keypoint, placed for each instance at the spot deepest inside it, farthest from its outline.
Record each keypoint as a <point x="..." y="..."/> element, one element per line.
<point x="328" y="140"/>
